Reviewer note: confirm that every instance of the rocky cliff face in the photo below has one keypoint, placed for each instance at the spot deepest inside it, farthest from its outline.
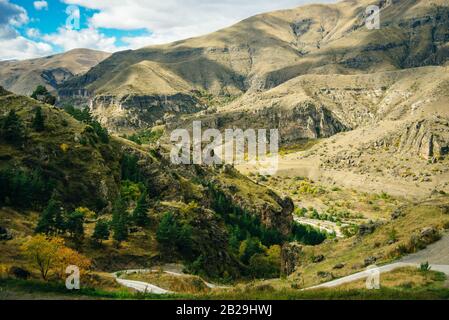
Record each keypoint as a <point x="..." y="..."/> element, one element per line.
<point x="427" y="138"/>
<point x="306" y="120"/>
<point x="133" y="112"/>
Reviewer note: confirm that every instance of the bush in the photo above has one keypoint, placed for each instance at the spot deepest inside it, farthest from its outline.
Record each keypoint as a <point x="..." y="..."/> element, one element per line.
<point x="350" y="231"/>
<point x="249" y="248"/>
<point x="19" y="273"/>
<point x="262" y="267"/>
<point x="425" y="266"/>
<point x="146" y="136"/>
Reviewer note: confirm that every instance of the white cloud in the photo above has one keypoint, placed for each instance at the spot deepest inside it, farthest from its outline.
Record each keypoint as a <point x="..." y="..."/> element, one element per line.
<point x="33" y="33"/>
<point x="166" y="21"/>
<point x="85" y="38"/>
<point x="171" y="20"/>
<point x="12" y="44"/>
<point x="23" y="48"/>
<point x="12" y="14"/>
<point x="39" y="5"/>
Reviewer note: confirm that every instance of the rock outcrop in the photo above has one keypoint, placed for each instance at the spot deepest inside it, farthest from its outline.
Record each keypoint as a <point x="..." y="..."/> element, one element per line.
<point x="291" y="256"/>
<point x="427" y="138"/>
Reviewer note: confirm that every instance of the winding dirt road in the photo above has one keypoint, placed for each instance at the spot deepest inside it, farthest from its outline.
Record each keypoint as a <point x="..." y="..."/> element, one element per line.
<point x="436" y="254"/>
<point x="144" y="287"/>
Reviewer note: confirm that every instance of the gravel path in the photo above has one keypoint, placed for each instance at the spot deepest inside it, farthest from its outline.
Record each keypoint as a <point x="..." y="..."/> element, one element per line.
<point x="437" y="254"/>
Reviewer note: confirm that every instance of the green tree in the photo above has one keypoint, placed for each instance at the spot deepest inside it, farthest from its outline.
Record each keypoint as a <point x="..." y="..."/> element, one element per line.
<point x="38" y="121"/>
<point x="140" y="213"/>
<point x="12" y="128"/>
<point x="75" y="225"/>
<point x="51" y="221"/>
<point x="101" y="231"/>
<point x="41" y="93"/>
<point x="101" y="132"/>
<point x="249" y="248"/>
<point x="172" y="235"/>
<point x="120" y="221"/>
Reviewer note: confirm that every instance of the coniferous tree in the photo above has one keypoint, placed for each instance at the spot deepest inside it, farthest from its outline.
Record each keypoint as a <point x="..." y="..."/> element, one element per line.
<point x="140" y="213"/>
<point x="174" y="235"/>
<point x="41" y="93"/>
<point x="51" y="221"/>
<point x="101" y="231"/>
<point x="120" y="221"/>
<point x="12" y="128"/>
<point x="75" y="226"/>
<point x="38" y="121"/>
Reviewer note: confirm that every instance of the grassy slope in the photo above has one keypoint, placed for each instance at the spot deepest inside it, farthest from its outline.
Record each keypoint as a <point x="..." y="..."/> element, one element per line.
<point x="86" y="173"/>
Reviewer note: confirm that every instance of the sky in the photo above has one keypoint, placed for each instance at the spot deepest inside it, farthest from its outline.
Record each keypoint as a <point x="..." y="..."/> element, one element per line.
<point x="30" y="29"/>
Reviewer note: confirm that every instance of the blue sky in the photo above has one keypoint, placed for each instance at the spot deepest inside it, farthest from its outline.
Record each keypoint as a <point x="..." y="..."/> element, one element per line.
<point x="30" y="29"/>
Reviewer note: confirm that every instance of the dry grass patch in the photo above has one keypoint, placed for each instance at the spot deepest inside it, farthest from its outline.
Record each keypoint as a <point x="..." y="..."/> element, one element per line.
<point x="180" y="284"/>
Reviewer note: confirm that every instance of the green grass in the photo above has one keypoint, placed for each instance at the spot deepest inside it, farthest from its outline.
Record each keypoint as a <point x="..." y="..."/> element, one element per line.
<point x="39" y="288"/>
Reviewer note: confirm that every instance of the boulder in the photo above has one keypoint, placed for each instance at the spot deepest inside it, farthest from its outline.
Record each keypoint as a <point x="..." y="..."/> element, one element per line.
<point x="325" y="275"/>
<point x="429" y="235"/>
<point x="396" y="214"/>
<point x="367" y="228"/>
<point x="339" y="266"/>
<point x="317" y="259"/>
<point x="444" y="209"/>
<point x="369" y="261"/>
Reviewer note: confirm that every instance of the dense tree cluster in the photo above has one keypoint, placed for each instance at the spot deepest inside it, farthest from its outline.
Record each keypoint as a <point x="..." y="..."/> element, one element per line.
<point x="130" y="169"/>
<point x="24" y="189"/>
<point x="174" y="235"/>
<point x="41" y="93"/>
<point x="257" y="247"/>
<point x="84" y="115"/>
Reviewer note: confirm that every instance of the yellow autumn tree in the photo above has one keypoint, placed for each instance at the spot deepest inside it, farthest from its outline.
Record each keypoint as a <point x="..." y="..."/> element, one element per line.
<point x="69" y="257"/>
<point x="50" y="255"/>
<point x="43" y="252"/>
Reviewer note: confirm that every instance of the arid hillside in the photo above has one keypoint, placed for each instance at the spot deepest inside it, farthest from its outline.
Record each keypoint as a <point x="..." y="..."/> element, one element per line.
<point x="136" y="89"/>
<point x="22" y="77"/>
